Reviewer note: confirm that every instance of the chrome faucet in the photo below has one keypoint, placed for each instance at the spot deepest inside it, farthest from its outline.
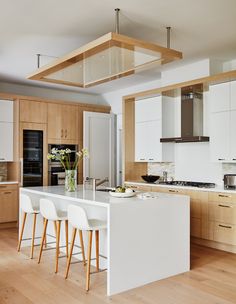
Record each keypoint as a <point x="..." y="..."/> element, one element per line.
<point x="165" y="174"/>
<point x="96" y="181"/>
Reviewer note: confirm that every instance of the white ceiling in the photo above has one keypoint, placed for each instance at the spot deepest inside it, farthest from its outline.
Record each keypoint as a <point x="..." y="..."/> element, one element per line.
<point x="200" y="29"/>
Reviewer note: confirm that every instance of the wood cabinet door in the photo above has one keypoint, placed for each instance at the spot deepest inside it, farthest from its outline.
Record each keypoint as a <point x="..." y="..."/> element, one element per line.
<point x="33" y="111"/>
<point x="8" y="206"/>
<point x="69" y="122"/>
<point x="55" y="124"/>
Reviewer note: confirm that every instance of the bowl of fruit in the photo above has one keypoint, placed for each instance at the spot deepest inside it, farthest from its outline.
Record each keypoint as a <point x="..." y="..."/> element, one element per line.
<point x="122" y="192"/>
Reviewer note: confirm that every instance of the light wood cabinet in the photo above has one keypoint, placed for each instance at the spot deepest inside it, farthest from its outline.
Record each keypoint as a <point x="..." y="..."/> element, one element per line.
<point x="8" y="203"/>
<point x="62" y="124"/>
<point x="222" y="217"/>
<point x="33" y="111"/>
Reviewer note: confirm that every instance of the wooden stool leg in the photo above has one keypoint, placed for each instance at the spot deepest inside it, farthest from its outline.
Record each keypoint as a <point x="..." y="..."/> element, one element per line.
<point x="22" y="231"/>
<point x="66" y="231"/>
<point x="33" y="236"/>
<point x="89" y="259"/>
<point x="57" y="245"/>
<point x="71" y="251"/>
<point x="42" y="241"/>
<point x="97" y="249"/>
<point x="82" y="245"/>
<point x="45" y="239"/>
<point x="55" y="228"/>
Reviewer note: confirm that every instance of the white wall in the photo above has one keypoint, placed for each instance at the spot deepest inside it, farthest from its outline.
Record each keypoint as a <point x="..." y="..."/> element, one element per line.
<point x="50" y="93"/>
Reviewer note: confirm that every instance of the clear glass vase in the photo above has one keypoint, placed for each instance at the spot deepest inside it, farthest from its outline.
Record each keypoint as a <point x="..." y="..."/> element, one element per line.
<point x="71" y="180"/>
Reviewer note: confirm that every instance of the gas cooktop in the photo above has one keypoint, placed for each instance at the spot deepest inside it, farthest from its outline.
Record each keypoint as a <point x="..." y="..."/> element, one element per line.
<point x="189" y="184"/>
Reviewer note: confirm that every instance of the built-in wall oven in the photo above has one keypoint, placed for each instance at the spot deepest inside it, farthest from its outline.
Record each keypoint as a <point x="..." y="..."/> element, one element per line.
<point x="56" y="172"/>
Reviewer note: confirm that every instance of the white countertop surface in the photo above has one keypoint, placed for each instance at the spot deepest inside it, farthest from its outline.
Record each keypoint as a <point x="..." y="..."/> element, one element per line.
<point x="218" y="188"/>
<point x="8" y="182"/>
<point x="98" y="198"/>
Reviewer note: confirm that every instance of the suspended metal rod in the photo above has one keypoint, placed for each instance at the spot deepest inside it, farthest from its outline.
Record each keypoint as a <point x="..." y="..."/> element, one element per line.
<point x="38" y="60"/>
<point x="117" y="24"/>
<point x="168" y="28"/>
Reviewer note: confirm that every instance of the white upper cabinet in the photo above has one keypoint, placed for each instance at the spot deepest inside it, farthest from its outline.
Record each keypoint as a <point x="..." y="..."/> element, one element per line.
<point x="232" y="152"/>
<point x="148" y="109"/>
<point x="223" y="122"/>
<point x="220" y="97"/>
<point x="6" y="130"/>
<point x="233" y="95"/>
<point x="6" y="141"/>
<point x="149" y="130"/>
<point x="220" y="136"/>
<point x="6" y="111"/>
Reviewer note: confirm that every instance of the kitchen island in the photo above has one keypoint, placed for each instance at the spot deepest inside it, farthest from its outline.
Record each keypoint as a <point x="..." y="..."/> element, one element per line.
<point x="146" y="239"/>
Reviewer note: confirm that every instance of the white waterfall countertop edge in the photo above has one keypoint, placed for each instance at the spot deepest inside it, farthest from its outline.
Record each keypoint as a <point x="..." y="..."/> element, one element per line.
<point x="218" y="188"/>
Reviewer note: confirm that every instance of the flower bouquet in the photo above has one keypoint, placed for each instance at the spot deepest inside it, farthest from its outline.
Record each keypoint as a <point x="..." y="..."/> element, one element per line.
<point x="64" y="157"/>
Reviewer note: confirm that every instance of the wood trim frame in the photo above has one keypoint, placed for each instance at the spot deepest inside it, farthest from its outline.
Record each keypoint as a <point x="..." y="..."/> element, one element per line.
<point x="166" y="55"/>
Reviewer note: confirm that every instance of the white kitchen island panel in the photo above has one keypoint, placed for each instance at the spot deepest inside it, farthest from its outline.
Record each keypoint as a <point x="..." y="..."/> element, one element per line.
<point x="148" y="241"/>
<point x="145" y="241"/>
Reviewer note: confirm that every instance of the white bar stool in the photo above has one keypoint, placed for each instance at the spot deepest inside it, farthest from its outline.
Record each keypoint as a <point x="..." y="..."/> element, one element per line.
<point x="51" y="213"/>
<point x="78" y="219"/>
<point x="28" y="207"/>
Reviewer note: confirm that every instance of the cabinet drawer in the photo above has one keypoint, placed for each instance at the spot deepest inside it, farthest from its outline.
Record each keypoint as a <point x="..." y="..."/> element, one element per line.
<point x="223" y="233"/>
<point x="140" y="187"/>
<point x="222" y="212"/>
<point x="174" y="191"/>
<point x="8" y="187"/>
<point x="8" y="206"/>
<point x="222" y="197"/>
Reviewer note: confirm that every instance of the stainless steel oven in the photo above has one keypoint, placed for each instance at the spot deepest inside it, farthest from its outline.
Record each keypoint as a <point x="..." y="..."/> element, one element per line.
<point x="56" y="172"/>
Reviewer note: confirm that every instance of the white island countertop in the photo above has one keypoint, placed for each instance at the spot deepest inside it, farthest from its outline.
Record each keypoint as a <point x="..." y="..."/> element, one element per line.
<point x="146" y="239"/>
<point x="96" y="198"/>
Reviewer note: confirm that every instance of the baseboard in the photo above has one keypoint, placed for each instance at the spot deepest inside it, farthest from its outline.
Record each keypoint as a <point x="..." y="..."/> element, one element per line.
<point x="213" y="244"/>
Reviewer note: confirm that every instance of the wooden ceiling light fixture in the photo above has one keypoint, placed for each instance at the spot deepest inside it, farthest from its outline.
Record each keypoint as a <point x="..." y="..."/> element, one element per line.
<point x="107" y="58"/>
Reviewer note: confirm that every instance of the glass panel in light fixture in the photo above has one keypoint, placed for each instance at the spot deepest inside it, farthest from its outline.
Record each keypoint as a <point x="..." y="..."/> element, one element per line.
<point x="73" y="74"/>
<point x="108" y="61"/>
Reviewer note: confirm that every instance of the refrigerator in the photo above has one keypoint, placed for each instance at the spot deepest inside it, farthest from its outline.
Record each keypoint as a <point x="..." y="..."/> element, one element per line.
<point x="32" y="158"/>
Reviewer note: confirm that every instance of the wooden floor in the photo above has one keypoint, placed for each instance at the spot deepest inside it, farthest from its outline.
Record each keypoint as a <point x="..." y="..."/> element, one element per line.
<point x="22" y="281"/>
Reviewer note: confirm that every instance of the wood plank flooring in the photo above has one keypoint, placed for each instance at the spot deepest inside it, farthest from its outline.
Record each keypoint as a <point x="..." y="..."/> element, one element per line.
<point x="212" y="280"/>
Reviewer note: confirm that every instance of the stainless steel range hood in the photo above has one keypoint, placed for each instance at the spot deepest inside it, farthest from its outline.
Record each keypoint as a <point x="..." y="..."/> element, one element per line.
<point x="191" y="116"/>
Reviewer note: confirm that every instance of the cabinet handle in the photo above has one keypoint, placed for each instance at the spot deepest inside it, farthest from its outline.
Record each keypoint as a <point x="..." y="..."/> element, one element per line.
<point x="176" y="191"/>
<point x="3" y="187"/>
<point x="8" y="192"/>
<point x="221" y="158"/>
<point x="224" y="226"/>
<point x="142" y="159"/>
<point x="62" y="133"/>
<point x="151" y="159"/>
<point x="233" y="158"/>
<point x="222" y="195"/>
<point x="2" y="158"/>
<point x="224" y="206"/>
<point x="66" y="133"/>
